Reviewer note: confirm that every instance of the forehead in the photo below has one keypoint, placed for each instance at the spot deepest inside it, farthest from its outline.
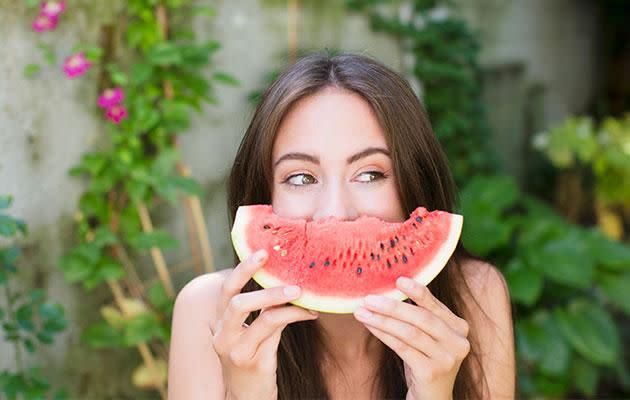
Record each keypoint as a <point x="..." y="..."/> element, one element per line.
<point x="331" y="121"/>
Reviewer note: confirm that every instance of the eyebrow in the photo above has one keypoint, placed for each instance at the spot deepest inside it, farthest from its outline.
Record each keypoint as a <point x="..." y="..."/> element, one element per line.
<point x="315" y="160"/>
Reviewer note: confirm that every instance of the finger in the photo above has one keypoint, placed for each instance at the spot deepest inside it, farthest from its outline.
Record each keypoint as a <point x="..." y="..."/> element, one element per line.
<point x="269" y="323"/>
<point x="408" y="354"/>
<point x="406" y="333"/>
<point x="423" y="297"/>
<point x="234" y="282"/>
<point x="413" y="315"/>
<point x="241" y="305"/>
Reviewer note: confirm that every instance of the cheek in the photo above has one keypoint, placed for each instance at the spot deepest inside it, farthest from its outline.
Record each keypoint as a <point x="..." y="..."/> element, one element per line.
<point x="293" y="203"/>
<point x="383" y="203"/>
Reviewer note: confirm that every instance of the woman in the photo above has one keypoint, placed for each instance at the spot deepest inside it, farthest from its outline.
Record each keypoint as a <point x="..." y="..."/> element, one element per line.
<point x="342" y="136"/>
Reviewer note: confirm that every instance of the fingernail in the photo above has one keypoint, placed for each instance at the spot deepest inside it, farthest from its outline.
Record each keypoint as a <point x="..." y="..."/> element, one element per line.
<point x="315" y="313"/>
<point x="362" y="313"/>
<point x="260" y="256"/>
<point x="405" y="283"/>
<point x="292" y="291"/>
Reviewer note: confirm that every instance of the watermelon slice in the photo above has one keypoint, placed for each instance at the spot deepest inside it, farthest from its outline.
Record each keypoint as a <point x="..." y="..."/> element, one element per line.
<point x="337" y="263"/>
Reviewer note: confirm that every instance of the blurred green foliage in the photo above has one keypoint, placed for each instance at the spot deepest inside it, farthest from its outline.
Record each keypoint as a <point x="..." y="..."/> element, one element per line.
<point x="605" y="149"/>
<point x="27" y="320"/>
<point x="567" y="284"/>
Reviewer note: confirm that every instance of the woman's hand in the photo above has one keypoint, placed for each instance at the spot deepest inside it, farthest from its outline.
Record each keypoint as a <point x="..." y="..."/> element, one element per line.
<point x="248" y="353"/>
<point x="429" y="338"/>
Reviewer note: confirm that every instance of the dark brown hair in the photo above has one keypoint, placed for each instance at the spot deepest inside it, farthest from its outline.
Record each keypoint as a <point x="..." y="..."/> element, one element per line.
<point x="423" y="177"/>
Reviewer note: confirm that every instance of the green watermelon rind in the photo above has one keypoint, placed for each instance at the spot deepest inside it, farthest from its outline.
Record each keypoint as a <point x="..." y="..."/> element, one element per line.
<point x="335" y="304"/>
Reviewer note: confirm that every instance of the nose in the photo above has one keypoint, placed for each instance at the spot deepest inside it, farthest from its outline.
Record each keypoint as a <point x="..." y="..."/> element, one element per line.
<point x="336" y="201"/>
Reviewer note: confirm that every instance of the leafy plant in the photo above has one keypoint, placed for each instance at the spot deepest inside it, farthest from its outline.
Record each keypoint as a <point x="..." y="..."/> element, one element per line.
<point x="148" y="93"/>
<point x="568" y="284"/>
<point x="444" y="53"/>
<point x="603" y="150"/>
<point x="28" y="320"/>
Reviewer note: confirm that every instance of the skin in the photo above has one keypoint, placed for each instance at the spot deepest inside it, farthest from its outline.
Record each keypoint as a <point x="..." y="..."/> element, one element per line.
<point x="336" y="166"/>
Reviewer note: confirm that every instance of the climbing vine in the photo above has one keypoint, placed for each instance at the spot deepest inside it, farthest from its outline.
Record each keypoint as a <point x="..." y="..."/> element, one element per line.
<point x="151" y="72"/>
<point x="28" y="320"/>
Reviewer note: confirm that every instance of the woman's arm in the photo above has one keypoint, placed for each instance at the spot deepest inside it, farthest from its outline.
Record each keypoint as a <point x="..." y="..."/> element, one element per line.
<point x="194" y="369"/>
<point x="492" y="325"/>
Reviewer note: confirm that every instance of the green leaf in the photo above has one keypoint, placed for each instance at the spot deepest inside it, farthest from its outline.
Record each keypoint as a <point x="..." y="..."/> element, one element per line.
<point x="24" y="317"/>
<point x="205" y="11"/>
<point x="93" y="54"/>
<point x="540" y="341"/>
<point x="140" y="73"/>
<point x="525" y="283"/>
<point x="31" y="3"/>
<point x="75" y="267"/>
<point x="590" y="330"/>
<point x="164" y="54"/>
<point x="117" y="76"/>
<point x="157" y="238"/>
<point x="44" y="337"/>
<point x="31" y="69"/>
<point x="141" y="329"/>
<point x="608" y="253"/>
<point x="102" y="335"/>
<point x="483" y="233"/>
<point x="176" y="115"/>
<point x="225" y="78"/>
<point x="489" y="195"/>
<point x="5" y="202"/>
<point x="585" y="376"/>
<point x="7" y="226"/>
<point x="566" y="261"/>
<point x="29" y="345"/>
<point x="616" y="288"/>
<point x="159" y="299"/>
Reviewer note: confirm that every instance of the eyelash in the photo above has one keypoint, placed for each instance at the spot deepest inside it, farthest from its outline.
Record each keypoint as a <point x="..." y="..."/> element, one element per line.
<point x="378" y="176"/>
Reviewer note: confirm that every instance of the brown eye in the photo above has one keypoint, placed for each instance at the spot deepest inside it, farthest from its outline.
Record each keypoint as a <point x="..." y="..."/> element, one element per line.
<point x="370" y="176"/>
<point x="301" y="180"/>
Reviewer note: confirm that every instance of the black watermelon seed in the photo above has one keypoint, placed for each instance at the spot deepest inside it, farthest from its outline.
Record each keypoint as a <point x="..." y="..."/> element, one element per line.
<point x="389" y="265"/>
<point x="326" y="263"/>
<point x="395" y="259"/>
<point x="414" y="225"/>
<point x="396" y="237"/>
<point x="419" y="219"/>
<point x="392" y="242"/>
<point x="411" y="250"/>
<point x="404" y="258"/>
<point x="372" y="256"/>
<point x="359" y="270"/>
<point x="312" y="264"/>
<point x="378" y="257"/>
<point x="382" y="246"/>
<point x="266" y="227"/>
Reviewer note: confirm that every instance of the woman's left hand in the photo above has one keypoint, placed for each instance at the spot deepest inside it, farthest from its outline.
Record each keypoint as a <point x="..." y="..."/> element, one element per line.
<point x="429" y="338"/>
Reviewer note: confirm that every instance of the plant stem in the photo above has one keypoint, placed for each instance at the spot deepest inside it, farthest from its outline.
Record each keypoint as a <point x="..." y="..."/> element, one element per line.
<point x="18" y="350"/>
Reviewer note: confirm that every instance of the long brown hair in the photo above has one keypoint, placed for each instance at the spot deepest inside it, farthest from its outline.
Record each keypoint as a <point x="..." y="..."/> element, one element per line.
<point x="423" y="177"/>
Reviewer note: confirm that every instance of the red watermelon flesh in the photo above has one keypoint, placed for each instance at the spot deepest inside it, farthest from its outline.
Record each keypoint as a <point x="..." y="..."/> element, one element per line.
<point x="337" y="263"/>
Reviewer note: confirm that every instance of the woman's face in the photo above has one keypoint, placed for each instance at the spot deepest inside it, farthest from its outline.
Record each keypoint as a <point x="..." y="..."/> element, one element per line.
<point x="330" y="158"/>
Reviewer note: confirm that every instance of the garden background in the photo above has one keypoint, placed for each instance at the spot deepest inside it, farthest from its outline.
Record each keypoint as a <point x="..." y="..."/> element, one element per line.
<point x="119" y="121"/>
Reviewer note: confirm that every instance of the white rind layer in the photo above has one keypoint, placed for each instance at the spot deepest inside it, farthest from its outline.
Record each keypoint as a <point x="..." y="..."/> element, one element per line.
<point x="337" y="305"/>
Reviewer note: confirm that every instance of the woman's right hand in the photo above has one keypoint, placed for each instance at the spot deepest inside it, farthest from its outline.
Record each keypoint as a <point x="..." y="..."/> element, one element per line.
<point x="248" y="354"/>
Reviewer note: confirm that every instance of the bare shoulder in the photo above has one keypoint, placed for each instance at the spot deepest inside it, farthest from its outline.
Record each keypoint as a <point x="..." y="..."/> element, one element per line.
<point x="490" y="318"/>
<point x="194" y="369"/>
<point x="487" y="284"/>
<point x="201" y="293"/>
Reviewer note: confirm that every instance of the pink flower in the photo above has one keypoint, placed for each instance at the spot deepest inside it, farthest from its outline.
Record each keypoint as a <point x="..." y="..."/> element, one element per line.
<point x="52" y="8"/>
<point x="111" y="97"/>
<point x="76" y="65"/>
<point x="44" y="22"/>
<point x="116" y="113"/>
